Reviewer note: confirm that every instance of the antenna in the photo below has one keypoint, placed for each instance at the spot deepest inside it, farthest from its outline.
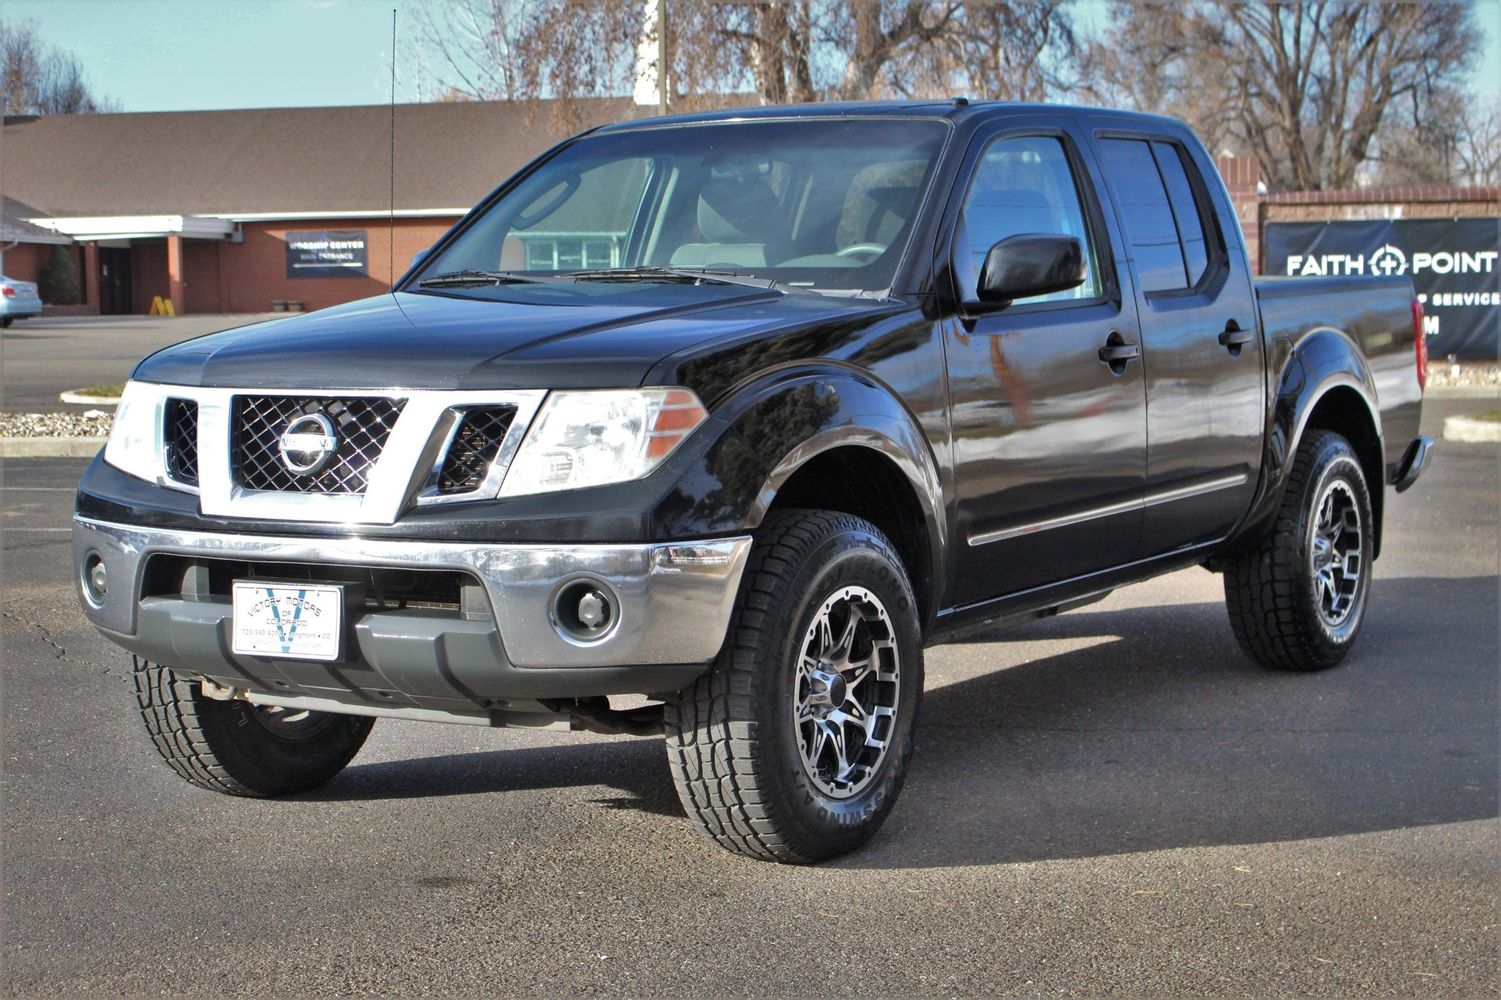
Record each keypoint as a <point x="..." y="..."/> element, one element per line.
<point x="391" y="235"/>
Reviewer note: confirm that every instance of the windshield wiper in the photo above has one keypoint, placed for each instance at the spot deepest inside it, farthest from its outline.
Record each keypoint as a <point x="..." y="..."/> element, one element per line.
<point x="469" y="278"/>
<point x="677" y="275"/>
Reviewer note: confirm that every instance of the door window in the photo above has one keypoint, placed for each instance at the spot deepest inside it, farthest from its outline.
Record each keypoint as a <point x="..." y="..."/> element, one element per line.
<point x="1163" y="221"/>
<point x="1022" y="185"/>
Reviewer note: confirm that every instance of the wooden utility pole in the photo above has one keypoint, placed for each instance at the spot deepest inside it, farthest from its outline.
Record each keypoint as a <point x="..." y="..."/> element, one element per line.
<point x="664" y="50"/>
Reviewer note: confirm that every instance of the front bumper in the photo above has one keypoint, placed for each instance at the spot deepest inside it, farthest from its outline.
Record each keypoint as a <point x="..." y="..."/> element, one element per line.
<point x="674" y="603"/>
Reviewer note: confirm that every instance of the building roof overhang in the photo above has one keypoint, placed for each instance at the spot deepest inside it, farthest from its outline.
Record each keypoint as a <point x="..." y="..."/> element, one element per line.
<point x="134" y="227"/>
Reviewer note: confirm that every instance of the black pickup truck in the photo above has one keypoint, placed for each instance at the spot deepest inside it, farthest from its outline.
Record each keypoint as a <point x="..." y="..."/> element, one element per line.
<point x="739" y="412"/>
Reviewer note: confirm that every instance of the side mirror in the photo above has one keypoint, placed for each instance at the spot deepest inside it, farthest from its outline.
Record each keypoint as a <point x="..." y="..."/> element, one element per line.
<point x="1020" y="267"/>
<point x="421" y="255"/>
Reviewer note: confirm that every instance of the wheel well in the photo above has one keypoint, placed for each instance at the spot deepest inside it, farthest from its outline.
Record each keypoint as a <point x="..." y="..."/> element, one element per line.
<point x="863" y="482"/>
<point x="1343" y="411"/>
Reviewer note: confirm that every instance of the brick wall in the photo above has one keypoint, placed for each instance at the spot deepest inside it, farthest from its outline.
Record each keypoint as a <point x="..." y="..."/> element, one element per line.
<point x="253" y="273"/>
<point x="24" y="261"/>
<point x="1242" y="174"/>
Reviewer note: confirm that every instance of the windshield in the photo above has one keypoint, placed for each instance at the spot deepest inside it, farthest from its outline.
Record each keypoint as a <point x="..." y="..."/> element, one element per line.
<point x="824" y="203"/>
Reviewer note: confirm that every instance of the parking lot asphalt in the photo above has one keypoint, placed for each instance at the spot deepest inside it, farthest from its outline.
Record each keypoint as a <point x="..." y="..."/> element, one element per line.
<point x="1114" y="801"/>
<point x="42" y="357"/>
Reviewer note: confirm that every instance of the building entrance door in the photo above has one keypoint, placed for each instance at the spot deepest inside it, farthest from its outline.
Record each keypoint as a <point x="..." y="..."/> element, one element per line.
<point x="114" y="281"/>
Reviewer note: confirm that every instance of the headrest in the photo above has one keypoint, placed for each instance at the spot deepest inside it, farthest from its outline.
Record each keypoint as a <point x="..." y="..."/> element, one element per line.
<point x="741" y="211"/>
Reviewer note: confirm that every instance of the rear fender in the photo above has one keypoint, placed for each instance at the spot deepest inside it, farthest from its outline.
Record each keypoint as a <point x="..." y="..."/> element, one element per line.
<point x="1323" y="361"/>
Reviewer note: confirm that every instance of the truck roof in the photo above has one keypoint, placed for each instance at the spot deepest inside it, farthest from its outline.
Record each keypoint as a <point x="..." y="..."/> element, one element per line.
<point x="953" y="109"/>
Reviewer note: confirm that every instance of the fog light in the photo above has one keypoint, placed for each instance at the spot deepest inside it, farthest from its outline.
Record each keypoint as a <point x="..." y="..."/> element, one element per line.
<point x="594" y="609"/>
<point x="585" y="610"/>
<point x="95" y="579"/>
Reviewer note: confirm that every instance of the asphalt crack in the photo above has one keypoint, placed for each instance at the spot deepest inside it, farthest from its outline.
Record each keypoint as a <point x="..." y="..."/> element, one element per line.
<point x="59" y="651"/>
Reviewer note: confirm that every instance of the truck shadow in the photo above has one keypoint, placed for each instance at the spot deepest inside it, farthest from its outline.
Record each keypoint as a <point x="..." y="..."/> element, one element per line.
<point x="1161" y="735"/>
<point x="1167" y="736"/>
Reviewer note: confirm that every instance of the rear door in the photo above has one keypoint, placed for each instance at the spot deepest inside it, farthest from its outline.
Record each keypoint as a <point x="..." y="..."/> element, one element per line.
<point x="1202" y="353"/>
<point x="1049" y="440"/>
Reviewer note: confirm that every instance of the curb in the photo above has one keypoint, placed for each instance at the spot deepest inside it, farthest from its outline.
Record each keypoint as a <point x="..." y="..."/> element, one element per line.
<point x="1473" y="431"/>
<point x="51" y="447"/>
<point x="82" y="400"/>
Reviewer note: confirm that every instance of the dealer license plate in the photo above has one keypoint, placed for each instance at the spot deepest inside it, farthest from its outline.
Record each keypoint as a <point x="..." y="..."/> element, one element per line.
<point x="295" y="621"/>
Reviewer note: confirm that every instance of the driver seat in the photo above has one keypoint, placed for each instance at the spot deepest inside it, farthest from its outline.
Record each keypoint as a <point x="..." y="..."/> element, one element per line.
<point x="742" y="223"/>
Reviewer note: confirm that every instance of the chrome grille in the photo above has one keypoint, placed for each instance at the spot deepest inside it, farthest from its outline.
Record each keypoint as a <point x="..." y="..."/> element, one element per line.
<point x="362" y="425"/>
<point x="481" y="432"/>
<point x="181" y="436"/>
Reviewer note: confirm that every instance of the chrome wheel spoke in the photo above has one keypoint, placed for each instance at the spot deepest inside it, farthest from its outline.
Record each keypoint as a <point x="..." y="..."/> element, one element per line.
<point x="1336" y="557"/>
<point x="845" y="693"/>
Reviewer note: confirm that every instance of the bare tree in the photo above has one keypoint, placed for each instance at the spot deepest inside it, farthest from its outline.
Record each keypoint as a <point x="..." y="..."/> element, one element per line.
<point x="40" y="79"/>
<point x="1478" y="152"/>
<point x="1307" y="85"/>
<point x="775" y="51"/>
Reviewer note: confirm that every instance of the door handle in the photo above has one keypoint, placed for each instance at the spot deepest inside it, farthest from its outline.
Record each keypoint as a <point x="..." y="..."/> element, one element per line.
<point x="1234" y="338"/>
<point x="1117" y="353"/>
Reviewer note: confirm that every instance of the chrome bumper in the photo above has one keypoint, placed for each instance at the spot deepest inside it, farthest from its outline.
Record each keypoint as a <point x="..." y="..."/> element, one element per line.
<point x="674" y="598"/>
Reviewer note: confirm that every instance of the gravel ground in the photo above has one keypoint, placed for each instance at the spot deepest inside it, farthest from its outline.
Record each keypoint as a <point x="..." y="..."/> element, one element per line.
<point x="88" y="423"/>
<point x="1442" y="375"/>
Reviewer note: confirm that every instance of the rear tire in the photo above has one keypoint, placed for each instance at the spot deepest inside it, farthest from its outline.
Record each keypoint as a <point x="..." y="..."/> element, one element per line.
<point x="795" y="744"/>
<point x="1297" y="599"/>
<point x="238" y="748"/>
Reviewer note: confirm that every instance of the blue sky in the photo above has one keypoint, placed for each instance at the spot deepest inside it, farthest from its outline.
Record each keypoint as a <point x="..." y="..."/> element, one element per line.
<point x="172" y="55"/>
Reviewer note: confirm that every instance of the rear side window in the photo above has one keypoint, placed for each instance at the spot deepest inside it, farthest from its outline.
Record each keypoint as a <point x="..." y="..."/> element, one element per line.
<point x="1180" y="196"/>
<point x="1162" y="219"/>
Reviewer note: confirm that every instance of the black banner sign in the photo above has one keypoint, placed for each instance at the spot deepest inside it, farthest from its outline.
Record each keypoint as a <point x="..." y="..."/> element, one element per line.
<point x="330" y="254"/>
<point x="1452" y="263"/>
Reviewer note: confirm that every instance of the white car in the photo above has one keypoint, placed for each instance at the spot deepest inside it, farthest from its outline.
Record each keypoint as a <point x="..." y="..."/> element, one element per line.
<point x="18" y="299"/>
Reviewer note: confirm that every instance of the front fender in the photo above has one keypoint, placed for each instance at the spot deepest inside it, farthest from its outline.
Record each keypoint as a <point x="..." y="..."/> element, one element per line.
<point x="777" y="424"/>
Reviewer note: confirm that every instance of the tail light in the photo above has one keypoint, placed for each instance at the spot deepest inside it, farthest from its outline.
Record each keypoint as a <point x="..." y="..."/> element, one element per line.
<point x="7" y="291"/>
<point x="1420" y="343"/>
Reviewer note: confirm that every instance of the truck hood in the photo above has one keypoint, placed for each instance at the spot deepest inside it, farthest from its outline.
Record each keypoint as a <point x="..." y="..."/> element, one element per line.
<point x="523" y="337"/>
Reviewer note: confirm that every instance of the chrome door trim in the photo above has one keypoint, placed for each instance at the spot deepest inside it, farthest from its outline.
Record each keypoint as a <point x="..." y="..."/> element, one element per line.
<point x="1110" y="510"/>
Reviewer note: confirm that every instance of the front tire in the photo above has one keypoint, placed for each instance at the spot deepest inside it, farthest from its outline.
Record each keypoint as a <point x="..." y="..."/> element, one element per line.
<point x="238" y="748"/>
<point x="1297" y="599"/>
<point x="795" y="744"/>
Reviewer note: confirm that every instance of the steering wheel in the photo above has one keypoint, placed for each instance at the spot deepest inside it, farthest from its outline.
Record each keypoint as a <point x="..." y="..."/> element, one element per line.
<point x="861" y="249"/>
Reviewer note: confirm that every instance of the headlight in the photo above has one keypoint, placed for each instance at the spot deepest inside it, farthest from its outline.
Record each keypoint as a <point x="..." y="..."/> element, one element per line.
<point x="135" y="440"/>
<point x="600" y="436"/>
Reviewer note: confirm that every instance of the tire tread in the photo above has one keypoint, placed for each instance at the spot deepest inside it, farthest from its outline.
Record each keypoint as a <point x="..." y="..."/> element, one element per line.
<point x="710" y="739"/>
<point x="1263" y="586"/>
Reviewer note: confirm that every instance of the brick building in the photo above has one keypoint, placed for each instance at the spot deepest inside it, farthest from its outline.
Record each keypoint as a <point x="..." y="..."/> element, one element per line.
<point x="24" y="245"/>
<point x="201" y="206"/>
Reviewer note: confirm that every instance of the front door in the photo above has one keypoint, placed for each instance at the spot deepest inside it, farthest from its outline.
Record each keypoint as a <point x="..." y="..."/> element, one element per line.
<point x="1204" y="369"/>
<point x="1049" y="438"/>
<point x="114" y="281"/>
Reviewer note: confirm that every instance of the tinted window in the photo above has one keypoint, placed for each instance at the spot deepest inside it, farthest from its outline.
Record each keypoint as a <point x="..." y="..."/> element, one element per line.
<point x="1185" y="209"/>
<point x="1022" y="185"/>
<point x="1143" y="201"/>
